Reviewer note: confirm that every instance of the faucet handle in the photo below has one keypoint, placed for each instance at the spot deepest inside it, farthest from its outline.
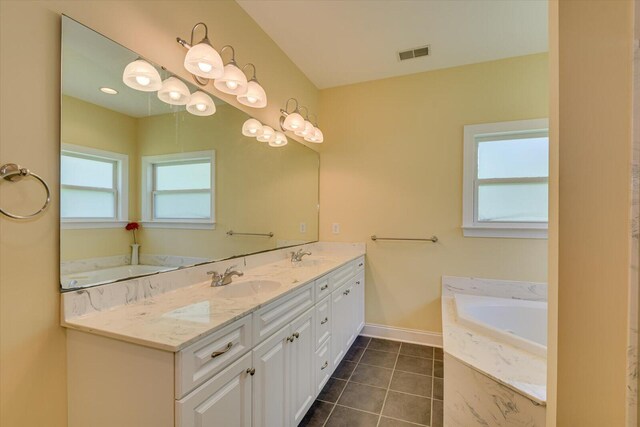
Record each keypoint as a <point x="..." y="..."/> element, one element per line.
<point x="230" y="269"/>
<point x="215" y="274"/>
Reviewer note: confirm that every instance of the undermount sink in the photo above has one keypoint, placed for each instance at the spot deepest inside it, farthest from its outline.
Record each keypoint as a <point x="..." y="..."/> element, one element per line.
<point x="247" y="288"/>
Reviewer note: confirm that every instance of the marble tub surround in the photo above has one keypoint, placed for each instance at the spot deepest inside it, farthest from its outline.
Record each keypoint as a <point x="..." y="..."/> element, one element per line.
<point x="519" y="370"/>
<point x="169" y="311"/>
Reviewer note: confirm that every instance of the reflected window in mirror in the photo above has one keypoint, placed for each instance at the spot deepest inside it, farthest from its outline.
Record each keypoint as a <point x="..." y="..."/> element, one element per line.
<point x="93" y="190"/>
<point x="179" y="190"/>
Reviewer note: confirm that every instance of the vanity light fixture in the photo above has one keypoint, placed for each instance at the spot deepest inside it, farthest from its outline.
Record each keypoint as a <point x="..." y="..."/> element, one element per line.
<point x="174" y="92"/>
<point x="314" y="135"/>
<point x="254" y="96"/>
<point x="268" y="134"/>
<point x="291" y="121"/>
<point x="279" y="140"/>
<point x="201" y="104"/>
<point x="202" y="60"/>
<point x="233" y="81"/>
<point x="108" y="90"/>
<point x="252" y="127"/>
<point x="142" y="76"/>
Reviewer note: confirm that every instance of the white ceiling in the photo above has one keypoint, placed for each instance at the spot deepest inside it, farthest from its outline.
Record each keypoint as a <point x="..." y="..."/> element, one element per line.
<point x="338" y="42"/>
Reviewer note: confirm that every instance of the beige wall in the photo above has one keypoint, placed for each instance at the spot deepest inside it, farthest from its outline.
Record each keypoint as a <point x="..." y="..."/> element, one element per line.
<point x="593" y="140"/>
<point x="32" y="344"/>
<point x="392" y="166"/>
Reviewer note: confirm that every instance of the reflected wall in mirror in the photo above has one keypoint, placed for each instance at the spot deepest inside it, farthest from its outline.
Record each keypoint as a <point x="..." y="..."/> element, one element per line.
<point x="187" y="180"/>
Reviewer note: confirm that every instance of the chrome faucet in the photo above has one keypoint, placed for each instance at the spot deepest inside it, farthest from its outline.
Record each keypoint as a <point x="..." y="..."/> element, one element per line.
<point x="225" y="278"/>
<point x="297" y="256"/>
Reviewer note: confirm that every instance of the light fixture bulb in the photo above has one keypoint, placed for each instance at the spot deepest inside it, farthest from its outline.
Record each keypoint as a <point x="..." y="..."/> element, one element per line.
<point x="231" y="85"/>
<point x="174" y="92"/>
<point x="317" y="137"/>
<point x="267" y="134"/>
<point x="252" y="128"/>
<point x="203" y="60"/>
<point x="306" y="130"/>
<point x="140" y="75"/>
<point x="254" y="96"/>
<point x="233" y="82"/>
<point x="293" y="122"/>
<point x="174" y="95"/>
<point x="108" y="91"/>
<point x="279" y="140"/>
<point x="205" y="67"/>
<point x="201" y="104"/>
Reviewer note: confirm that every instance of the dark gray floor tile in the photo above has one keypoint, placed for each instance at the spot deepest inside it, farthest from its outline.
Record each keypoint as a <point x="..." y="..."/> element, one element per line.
<point x="332" y="390"/>
<point x="354" y="354"/>
<point x="344" y="370"/>
<point x="317" y="414"/>
<point x="415" y="365"/>
<point x="363" y="397"/>
<point x="437" y="417"/>
<point x="438" y="354"/>
<point x="390" y="422"/>
<point x="384" y="345"/>
<point x="361" y="341"/>
<point x="347" y="417"/>
<point x="438" y="388"/>
<point x="411" y="383"/>
<point x="372" y="375"/>
<point x="408" y="408"/>
<point x="416" y="350"/>
<point x="379" y="358"/>
<point x="438" y="369"/>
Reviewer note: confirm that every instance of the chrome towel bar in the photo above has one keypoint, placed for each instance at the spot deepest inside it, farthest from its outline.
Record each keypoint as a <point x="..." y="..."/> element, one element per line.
<point x="14" y="173"/>
<point x="432" y="239"/>
<point x="235" y="233"/>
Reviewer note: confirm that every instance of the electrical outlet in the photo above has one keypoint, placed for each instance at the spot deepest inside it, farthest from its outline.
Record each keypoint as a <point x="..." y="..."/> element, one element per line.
<point x="303" y="227"/>
<point x="335" y="228"/>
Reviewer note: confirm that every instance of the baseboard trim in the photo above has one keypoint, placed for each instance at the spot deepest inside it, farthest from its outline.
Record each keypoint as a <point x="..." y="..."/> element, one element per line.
<point x="433" y="339"/>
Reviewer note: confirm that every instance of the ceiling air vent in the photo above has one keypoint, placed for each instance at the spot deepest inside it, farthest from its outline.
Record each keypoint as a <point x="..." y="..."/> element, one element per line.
<point x="416" y="52"/>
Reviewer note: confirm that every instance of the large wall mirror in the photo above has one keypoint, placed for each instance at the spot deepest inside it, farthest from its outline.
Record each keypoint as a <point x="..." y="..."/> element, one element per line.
<point x="198" y="189"/>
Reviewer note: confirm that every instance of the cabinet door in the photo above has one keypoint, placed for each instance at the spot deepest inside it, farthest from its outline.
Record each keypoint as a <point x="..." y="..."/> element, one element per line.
<point x="350" y="313"/>
<point x="302" y="372"/>
<point x="323" y="321"/>
<point x="224" y="400"/>
<point x="358" y="290"/>
<point x="340" y="314"/>
<point x="271" y="381"/>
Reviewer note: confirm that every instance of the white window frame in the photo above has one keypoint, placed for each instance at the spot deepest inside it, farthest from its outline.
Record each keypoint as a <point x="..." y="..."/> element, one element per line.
<point x="122" y="188"/>
<point x="471" y="227"/>
<point x="147" y="163"/>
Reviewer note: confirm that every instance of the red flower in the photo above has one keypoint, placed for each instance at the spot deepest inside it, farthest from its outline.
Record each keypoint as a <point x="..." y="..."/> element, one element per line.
<point x="132" y="226"/>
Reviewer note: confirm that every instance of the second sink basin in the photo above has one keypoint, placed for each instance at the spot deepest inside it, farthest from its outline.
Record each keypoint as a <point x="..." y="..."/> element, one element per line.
<point x="247" y="288"/>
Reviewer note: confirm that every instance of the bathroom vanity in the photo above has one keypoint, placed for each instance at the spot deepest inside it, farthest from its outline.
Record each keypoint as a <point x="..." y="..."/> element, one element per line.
<point x="159" y="352"/>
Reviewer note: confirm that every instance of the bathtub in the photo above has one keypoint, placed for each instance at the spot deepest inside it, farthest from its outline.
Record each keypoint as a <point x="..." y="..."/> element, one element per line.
<point x="107" y="275"/>
<point x="521" y="323"/>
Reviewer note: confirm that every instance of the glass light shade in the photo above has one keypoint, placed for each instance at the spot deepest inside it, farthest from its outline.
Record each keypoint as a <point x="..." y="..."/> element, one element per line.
<point x="293" y="122"/>
<point x="233" y="81"/>
<point x="140" y="75"/>
<point x="204" y="61"/>
<point x="268" y="134"/>
<point x="279" y="140"/>
<point x="318" y="136"/>
<point x="201" y="104"/>
<point x="308" y="129"/>
<point x="252" y="127"/>
<point x="255" y="96"/>
<point x="174" y="92"/>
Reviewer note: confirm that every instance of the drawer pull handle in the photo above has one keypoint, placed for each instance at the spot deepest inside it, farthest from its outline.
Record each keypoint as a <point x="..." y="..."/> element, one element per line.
<point x="220" y="353"/>
<point x="360" y="265"/>
<point x="293" y="337"/>
<point x="324" y="287"/>
<point x="326" y="319"/>
<point x="296" y="334"/>
<point x="326" y="363"/>
<point x="347" y="292"/>
<point x="358" y="282"/>
<point x="251" y="371"/>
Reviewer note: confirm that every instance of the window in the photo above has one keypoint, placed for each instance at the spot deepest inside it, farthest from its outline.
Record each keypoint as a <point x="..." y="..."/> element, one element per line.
<point x="506" y="179"/>
<point x="178" y="190"/>
<point x="93" y="187"/>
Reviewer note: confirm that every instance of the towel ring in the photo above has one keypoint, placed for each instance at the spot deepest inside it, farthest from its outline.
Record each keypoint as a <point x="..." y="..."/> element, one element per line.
<point x="14" y="173"/>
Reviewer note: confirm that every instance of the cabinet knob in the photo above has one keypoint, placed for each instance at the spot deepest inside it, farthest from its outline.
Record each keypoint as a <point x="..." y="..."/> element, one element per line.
<point x="326" y="319"/>
<point x="251" y="371"/>
<point x="326" y="363"/>
<point x="358" y="282"/>
<point x="220" y="353"/>
<point x="347" y="292"/>
<point x="361" y="264"/>
<point x="324" y="287"/>
<point x="291" y="338"/>
<point x="296" y="334"/>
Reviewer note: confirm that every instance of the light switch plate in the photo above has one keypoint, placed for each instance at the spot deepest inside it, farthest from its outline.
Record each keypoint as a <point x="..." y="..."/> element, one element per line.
<point x="303" y="227"/>
<point x="335" y="228"/>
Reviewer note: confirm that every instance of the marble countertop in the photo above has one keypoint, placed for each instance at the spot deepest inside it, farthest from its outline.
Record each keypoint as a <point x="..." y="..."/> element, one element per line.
<point x="173" y="320"/>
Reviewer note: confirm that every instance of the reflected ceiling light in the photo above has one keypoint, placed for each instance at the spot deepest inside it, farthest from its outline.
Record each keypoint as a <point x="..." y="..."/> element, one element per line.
<point x="254" y="96"/>
<point x="252" y="127"/>
<point x="202" y="60"/>
<point x="291" y="121"/>
<point x="174" y="92"/>
<point x="108" y="91"/>
<point x="201" y="104"/>
<point x="140" y="75"/>
<point x="233" y="81"/>
<point x="279" y="140"/>
<point x="268" y="134"/>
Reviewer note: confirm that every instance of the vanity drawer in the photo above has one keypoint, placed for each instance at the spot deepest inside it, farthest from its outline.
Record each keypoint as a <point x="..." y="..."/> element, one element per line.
<point x="274" y="316"/>
<point x="323" y="365"/>
<point x="323" y="321"/>
<point x="359" y="264"/>
<point x="341" y="275"/>
<point x="323" y="287"/>
<point x="200" y="361"/>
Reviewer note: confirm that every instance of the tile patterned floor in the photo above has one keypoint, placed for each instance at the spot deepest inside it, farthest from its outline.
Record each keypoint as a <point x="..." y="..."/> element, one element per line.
<point x="382" y="383"/>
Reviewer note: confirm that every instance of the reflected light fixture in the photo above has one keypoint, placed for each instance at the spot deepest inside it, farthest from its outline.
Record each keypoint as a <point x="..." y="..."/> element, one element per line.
<point x="233" y="81"/>
<point x="252" y="127"/>
<point x="291" y="121"/>
<point x="314" y="135"/>
<point x="202" y="60"/>
<point x="108" y="90"/>
<point x="254" y="96"/>
<point x="201" y="104"/>
<point x="279" y="140"/>
<point x="174" y="92"/>
<point x="142" y="76"/>
<point x="268" y="134"/>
